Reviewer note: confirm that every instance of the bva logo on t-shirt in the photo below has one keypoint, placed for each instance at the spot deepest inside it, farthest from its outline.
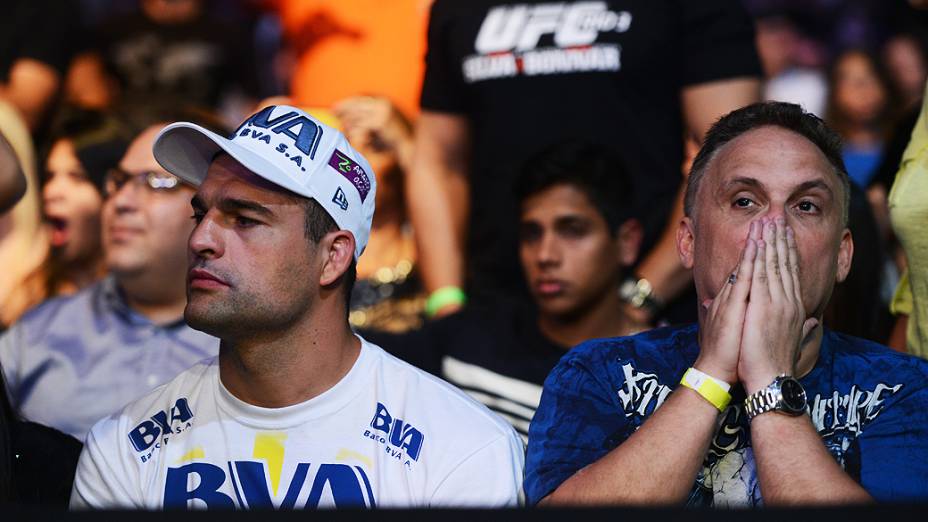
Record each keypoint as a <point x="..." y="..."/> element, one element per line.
<point x="401" y="435"/>
<point x="255" y="483"/>
<point x="146" y="434"/>
<point x="347" y="484"/>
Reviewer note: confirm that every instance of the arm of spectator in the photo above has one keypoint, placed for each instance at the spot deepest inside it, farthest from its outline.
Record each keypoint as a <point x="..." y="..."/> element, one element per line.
<point x="793" y="465"/>
<point x="12" y="180"/>
<point x="795" y="468"/>
<point x="382" y="122"/>
<point x="31" y="88"/>
<point x="87" y="85"/>
<point x="703" y="104"/>
<point x="656" y="465"/>
<point x="572" y="454"/>
<point x="436" y="192"/>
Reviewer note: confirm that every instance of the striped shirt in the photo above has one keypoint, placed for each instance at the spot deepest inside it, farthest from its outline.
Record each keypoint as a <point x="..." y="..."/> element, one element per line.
<point x="497" y="355"/>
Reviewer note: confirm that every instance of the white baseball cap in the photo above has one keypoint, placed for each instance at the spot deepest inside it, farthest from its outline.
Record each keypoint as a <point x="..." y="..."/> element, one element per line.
<point x="289" y="148"/>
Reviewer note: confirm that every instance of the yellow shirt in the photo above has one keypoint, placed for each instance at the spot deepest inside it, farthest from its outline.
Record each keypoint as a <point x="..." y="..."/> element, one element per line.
<point x="908" y="210"/>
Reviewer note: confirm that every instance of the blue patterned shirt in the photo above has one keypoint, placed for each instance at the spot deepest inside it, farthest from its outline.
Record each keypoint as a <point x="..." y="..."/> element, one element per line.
<point x="869" y="404"/>
<point x="73" y="360"/>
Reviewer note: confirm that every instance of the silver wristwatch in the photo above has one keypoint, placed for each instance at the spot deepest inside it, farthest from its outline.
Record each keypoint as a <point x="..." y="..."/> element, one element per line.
<point x="784" y="395"/>
<point x="640" y="294"/>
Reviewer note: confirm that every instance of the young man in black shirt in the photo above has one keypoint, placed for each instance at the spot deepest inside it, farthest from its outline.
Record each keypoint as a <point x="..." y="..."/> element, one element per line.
<point x="577" y="236"/>
<point x="506" y="79"/>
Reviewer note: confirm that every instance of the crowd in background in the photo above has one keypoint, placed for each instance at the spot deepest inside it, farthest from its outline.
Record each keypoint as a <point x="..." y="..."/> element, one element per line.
<point x="449" y="254"/>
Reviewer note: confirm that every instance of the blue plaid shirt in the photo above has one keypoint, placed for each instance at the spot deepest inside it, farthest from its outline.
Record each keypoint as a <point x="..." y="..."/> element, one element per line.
<point x="74" y="360"/>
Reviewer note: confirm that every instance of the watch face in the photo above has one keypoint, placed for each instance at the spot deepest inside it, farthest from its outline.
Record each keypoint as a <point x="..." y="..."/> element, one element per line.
<point x="794" y="397"/>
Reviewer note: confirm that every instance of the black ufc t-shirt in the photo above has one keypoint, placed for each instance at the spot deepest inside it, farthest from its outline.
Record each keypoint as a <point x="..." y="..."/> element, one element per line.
<point x="531" y="74"/>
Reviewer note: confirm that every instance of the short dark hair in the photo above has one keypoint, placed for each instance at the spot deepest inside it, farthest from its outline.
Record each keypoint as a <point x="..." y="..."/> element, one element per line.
<point x="593" y="169"/>
<point x="99" y="139"/>
<point x="778" y="114"/>
<point x="141" y="117"/>
<point x="317" y="223"/>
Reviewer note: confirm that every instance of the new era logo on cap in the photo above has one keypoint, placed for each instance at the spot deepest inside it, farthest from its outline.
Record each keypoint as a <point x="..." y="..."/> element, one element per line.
<point x="290" y="148"/>
<point x="340" y="199"/>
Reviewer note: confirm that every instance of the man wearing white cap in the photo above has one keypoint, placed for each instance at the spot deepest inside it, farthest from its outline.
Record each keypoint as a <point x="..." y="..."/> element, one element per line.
<point x="296" y="411"/>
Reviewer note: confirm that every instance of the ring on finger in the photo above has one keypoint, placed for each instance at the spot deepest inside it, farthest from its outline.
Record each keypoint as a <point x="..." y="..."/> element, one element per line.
<point x="732" y="278"/>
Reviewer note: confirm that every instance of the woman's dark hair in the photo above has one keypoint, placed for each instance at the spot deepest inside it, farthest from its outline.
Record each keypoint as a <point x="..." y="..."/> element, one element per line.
<point x="99" y="139"/>
<point x="591" y="168"/>
<point x="838" y="120"/>
<point x="788" y="116"/>
<point x="140" y="117"/>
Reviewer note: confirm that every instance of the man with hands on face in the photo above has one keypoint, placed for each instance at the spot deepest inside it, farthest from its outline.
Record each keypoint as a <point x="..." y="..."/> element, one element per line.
<point x="758" y="403"/>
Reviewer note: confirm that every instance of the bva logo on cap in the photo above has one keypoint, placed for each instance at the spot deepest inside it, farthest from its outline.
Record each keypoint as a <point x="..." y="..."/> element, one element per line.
<point x="306" y="141"/>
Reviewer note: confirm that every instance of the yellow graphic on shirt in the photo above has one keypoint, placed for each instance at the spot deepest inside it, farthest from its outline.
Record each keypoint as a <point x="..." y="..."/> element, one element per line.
<point x="195" y="453"/>
<point x="347" y="454"/>
<point x="270" y="447"/>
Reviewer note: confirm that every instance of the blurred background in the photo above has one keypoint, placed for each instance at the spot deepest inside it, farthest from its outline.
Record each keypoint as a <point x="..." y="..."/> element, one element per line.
<point x="359" y="65"/>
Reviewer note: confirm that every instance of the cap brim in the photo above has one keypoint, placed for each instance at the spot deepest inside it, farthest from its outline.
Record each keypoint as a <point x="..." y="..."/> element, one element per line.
<point x="187" y="149"/>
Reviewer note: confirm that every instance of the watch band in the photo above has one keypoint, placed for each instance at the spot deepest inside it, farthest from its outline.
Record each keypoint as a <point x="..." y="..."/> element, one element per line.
<point x="770" y="398"/>
<point x="713" y="390"/>
<point x="761" y="401"/>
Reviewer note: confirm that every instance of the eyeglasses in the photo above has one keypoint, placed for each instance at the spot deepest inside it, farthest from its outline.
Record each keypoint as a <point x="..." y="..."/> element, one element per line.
<point x="116" y="178"/>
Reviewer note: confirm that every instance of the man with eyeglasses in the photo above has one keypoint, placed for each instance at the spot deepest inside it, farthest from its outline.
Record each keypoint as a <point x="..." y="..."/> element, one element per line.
<point x="72" y="360"/>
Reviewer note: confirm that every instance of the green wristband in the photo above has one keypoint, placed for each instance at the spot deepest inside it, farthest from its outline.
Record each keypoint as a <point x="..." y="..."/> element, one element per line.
<point x="443" y="297"/>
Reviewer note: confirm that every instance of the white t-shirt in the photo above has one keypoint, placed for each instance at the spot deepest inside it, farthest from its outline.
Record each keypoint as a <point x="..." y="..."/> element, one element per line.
<point x="386" y="435"/>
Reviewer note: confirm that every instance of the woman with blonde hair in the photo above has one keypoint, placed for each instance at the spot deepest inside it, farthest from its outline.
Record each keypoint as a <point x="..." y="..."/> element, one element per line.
<point x="23" y="240"/>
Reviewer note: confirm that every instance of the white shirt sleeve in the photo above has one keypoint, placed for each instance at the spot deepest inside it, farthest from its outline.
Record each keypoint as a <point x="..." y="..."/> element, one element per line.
<point x="103" y="480"/>
<point x="489" y="477"/>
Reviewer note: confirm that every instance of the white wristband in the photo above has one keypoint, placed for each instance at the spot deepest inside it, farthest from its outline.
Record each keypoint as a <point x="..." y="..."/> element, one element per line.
<point x="695" y="379"/>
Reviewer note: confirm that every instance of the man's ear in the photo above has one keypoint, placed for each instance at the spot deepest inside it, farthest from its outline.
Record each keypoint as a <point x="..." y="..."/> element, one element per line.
<point x="628" y="241"/>
<point x="338" y="250"/>
<point x="845" y="255"/>
<point x="686" y="239"/>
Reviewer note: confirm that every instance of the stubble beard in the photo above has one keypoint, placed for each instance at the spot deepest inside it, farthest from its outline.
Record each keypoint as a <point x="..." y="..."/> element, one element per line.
<point x="243" y="315"/>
